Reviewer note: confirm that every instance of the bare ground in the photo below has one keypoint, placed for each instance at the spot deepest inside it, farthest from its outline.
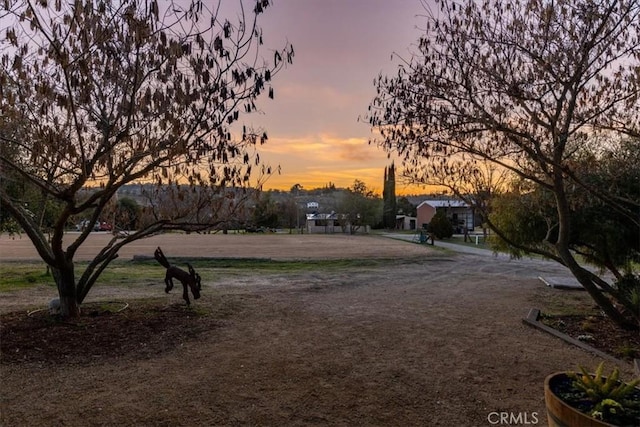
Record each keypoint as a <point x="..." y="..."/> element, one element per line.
<point x="422" y="337"/>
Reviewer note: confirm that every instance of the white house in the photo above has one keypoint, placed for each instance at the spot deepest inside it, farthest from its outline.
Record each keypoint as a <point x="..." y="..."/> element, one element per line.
<point x="329" y="224"/>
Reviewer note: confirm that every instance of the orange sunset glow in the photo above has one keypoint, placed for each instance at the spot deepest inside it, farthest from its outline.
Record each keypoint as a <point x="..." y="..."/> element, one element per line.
<point x="341" y="46"/>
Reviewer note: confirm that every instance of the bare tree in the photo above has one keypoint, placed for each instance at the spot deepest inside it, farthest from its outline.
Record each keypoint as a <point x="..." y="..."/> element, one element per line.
<point x="523" y="85"/>
<point x="109" y="93"/>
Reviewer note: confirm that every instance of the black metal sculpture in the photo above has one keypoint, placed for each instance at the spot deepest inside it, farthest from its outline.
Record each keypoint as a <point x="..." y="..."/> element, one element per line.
<point x="191" y="278"/>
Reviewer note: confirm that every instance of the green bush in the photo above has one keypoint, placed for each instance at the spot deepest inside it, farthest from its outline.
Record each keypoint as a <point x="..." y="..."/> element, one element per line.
<point x="440" y="226"/>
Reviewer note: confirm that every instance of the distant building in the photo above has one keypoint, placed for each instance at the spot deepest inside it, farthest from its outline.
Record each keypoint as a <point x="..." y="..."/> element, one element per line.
<point x="330" y="223"/>
<point x="404" y="222"/>
<point x="458" y="212"/>
<point x="323" y="223"/>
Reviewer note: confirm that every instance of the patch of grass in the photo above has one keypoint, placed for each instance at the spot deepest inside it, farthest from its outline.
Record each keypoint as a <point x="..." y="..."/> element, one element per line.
<point x="23" y="275"/>
<point x="627" y="351"/>
<point x="275" y="266"/>
<point x="127" y="272"/>
<point x="567" y="303"/>
<point x="18" y="275"/>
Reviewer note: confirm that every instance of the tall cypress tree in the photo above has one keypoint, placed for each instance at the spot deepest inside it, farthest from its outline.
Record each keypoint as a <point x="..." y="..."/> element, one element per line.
<point x="389" y="197"/>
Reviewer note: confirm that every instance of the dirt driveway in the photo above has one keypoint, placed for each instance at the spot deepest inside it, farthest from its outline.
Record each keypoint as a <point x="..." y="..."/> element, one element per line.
<point x="431" y="339"/>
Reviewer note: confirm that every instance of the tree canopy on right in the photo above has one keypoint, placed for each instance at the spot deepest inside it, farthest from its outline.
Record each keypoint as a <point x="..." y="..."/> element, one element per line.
<point x="546" y="94"/>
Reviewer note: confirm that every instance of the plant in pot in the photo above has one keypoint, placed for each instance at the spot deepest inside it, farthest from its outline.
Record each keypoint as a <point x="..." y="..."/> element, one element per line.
<point x="582" y="399"/>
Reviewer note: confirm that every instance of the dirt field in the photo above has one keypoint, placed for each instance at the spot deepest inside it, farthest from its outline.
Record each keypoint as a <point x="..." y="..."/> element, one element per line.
<point x="421" y="337"/>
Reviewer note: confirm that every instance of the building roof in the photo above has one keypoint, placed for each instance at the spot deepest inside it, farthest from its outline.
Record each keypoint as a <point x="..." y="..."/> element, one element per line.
<point x="445" y="203"/>
<point x="332" y="215"/>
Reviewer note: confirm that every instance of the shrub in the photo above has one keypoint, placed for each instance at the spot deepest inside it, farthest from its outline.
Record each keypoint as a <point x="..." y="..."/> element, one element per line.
<point x="440" y="226"/>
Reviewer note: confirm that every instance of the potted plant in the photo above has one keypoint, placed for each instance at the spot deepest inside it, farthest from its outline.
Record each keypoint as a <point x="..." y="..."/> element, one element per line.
<point x="582" y="399"/>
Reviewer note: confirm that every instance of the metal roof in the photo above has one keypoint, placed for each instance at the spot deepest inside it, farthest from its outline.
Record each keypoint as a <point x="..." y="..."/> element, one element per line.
<point x="445" y="203"/>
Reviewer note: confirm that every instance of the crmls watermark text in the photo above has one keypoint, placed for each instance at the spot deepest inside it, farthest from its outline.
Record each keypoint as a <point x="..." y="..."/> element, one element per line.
<point x="513" y="418"/>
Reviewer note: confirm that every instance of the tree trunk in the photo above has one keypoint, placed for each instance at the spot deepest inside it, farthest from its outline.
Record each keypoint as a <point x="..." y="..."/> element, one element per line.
<point x="562" y="247"/>
<point x="65" y="280"/>
<point x="69" y="307"/>
<point x="597" y="295"/>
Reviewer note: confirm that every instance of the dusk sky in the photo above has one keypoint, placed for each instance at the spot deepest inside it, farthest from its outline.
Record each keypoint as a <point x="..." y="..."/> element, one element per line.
<point x="340" y="47"/>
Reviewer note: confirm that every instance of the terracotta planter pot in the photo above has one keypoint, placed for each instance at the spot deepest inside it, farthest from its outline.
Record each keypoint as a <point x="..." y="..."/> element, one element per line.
<point x="559" y="414"/>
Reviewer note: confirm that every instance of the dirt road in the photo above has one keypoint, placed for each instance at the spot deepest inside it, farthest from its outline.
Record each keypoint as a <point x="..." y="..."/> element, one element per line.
<point x="435" y="341"/>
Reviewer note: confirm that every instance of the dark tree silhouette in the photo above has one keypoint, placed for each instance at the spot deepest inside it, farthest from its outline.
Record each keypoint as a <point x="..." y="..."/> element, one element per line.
<point x="389" y="198"/>
<point x="108" y="93"/>
<point x="527" y="87"/>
